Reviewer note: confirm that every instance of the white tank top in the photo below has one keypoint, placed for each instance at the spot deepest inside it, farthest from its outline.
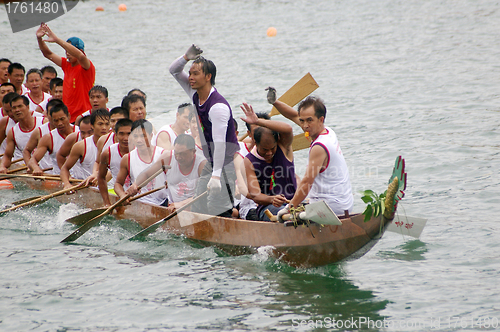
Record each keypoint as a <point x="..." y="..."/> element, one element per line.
<point x="45" y="162"/>
<point x="10" y="124"/>
<point x="87" y="161"/>
<point x="332" y="184"/>
<point x="42" y="104"/>
<point x="182" y="186"/>
<point x="170" y="132"/>
<point x="136" y="165"/>
<point x="243" y="149"/>
<point x="84" y="114"/>
<point x="22" y="137"/>
<point x="115" y="157"/>
<point x="57" y="141"/>
<point x="110" y="140"/>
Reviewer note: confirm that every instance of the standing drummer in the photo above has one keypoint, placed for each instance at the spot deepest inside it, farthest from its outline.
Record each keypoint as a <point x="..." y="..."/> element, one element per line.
<point x="327" y="176"/>
<point x="217" y="125"/>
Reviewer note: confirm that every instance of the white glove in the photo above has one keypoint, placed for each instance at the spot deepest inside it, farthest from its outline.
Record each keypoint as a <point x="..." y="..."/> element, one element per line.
<point x="282" y="212"/>
<point x="214" y="184"/>
<point x="193" y="52"/>
<point x="271" y="95"/>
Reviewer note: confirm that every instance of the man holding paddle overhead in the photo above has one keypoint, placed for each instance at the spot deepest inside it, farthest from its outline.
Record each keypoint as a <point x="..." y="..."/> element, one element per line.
<point x="217" y="128"/>
<point x="327" y="176"/>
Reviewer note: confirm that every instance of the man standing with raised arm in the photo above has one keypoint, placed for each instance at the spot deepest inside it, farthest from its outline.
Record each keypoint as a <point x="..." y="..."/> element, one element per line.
<point x="79" y="72"/>
<point x="217" y="126"/>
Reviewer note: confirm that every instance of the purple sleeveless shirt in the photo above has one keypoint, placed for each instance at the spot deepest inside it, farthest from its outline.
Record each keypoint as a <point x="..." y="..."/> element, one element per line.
<point x="232" y="145"/>
<point x="275" y="178"/>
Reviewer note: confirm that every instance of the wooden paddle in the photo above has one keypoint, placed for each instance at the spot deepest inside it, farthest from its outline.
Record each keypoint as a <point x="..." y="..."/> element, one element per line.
<point x="16" y="161"/>
<point x="303" y="88"/>
<point x="94" y="221"/>
<point x="42" y="199"/>
<point x="80" y="220"/>
<point x="17" y="169"/>
<point x="51" y="178"/>
<point x="159" y="223"/>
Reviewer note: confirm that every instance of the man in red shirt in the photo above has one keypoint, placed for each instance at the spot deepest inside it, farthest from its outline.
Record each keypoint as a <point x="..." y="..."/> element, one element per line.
<point x="79" y="71"/>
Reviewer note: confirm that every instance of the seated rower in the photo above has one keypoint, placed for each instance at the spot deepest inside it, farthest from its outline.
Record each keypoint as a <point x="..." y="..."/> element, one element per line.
<point x="98" y="97"/>
<point x="186" y="167"/>
<point x="85" y="130"/>
<point x="18" y="136"/>
<point x="116" y="114"/>
<point x="327" y="176"/>
<point x="8" y="121"/>
<point x="52" y="142"/>
<point x="84" y="152"/>
<point x="111" y="157"/>
<point x="37" y="135"/>
<point x="269" y="167"/>
<point x="139" y="159"/>
<point x="37" y="98"/>
<point x="168" y="133"/>
<point x="5" y="88"/>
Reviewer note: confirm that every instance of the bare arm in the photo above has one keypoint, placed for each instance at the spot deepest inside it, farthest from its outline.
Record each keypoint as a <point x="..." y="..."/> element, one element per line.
<point x="3" y="124"/>
<point x="121" y="177"/>
<point x="45" y="49"/>
<point x="9" y="152"/>
<point x="287" y="111"/>
<point x="75" y="154"/>
<point x="42" y="148"/>
<point x="317" y="158"/>
<point x="65" y="149"/>
<point x="101" y="177"/>
<point x="31" y="145"/>
<point x="163" y="140"/>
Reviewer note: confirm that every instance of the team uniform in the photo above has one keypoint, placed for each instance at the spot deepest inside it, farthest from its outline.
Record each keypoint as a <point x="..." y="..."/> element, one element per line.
<point x="24" y="90"/>
<point x="246" y="204"/>
<point x="110" y="140"/>
<point x="57" y="142"/>
<point x="76" y="85"/>
<point x="182" y="186"/>
<point x="135" y="167"/>
<point x="22" y="137"/>
<point x="114" y="159"/>
<point x="170" y="132"/>
<point x="87" y="161"/>
<point x="42" y="104"/>
<point x="10" y="124"/>
<point x="332" y="184"/>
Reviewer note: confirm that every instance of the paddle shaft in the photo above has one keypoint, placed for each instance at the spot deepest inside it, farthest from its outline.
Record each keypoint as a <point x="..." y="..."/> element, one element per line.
<point x="51" y="178"/>
<point x="17" y="170"/>
<point x="94" y="221"/>
<point x="159" y="223"/>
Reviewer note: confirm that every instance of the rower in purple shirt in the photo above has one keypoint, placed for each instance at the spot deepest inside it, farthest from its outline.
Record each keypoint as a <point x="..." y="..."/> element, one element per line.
<point x="219" y="140"/>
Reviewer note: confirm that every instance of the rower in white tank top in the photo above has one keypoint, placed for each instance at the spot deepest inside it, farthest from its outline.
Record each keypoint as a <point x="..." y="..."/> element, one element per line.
<point x="42" y="104"/>
<point x="114" y="160"/>
<point x="171" y="133"/>
<point x="136" y="165"/>
<point x="182" y="186"/>
<point x="87" y="161"/>
<point x="110" y="140"/>
<point x="22" y="137"/>
<point x="57" y="141"/>
<point x="332" y="184"/>
<point x="10" y="124"/>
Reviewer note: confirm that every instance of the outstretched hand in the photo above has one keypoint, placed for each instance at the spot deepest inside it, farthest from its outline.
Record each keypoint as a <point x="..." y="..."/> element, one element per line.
<point x="193" y="52"/>
<point x="251" y="117"/>
<point x="271" y="95"/>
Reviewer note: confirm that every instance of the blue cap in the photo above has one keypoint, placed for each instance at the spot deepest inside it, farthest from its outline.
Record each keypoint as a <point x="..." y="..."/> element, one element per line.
<point x="76" y="42"/>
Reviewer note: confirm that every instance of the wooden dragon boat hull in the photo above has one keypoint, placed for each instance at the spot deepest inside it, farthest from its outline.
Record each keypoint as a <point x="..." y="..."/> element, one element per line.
<point x="303" y="246"/>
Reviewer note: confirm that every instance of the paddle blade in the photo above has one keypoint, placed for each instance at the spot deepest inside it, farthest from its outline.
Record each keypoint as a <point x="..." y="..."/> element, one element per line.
<point x="25" y="200"/>
<point x="84" y="217"/>
<point x="405" y="225"/>
<point x="150" y="229"/>
<point x="83" y="229"/>
<point x="321" y="213"/>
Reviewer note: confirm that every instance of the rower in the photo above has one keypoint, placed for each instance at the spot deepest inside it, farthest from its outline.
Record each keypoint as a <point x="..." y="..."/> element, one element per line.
<point x="135" y="106"/>
<point x="140" y="158"/>
<point x="16" y="77"/>
<point x="168" y="133"/>
<point x="269" y="168"/>
<point x="52" y="142"/>
<point x="4" y="70"/>
<point x="98" y="97"/>
<point x="216" y="120"/>
<point x="111" y="157"/>
<point x="37" y="97"/>
<point x="138" y="92"/>
<point x="8" y="121"/>
<point x="182" y="177"/>
<point x="85" y="130"/>
<point x="85" y="152"/>
<point x="327" y="176"/>
<point x="35" y="137"/>
<point x="19" y="135"/>
<point x="48" y="74"/>
<point x="79" y="71"/>
<point x="5" y="88"/>
<point x="56" y="88"/>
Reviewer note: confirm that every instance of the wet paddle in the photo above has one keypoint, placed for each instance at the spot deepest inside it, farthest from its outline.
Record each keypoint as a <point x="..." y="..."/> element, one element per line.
<point x="17" y="169"/>
<point x="159" y="223"/>
<point x="50" y="178"/>
<point x="42" y="199"/>
<point x="94" y="221"/>
<point x="83" y="218"/>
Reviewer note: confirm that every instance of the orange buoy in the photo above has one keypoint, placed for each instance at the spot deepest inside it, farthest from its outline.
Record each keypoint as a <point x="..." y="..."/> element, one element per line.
<point x="122" y="7"/>
<point x="6" y="184"/>
<point x="99" y="9"/>
<point x="271" y="32"/>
